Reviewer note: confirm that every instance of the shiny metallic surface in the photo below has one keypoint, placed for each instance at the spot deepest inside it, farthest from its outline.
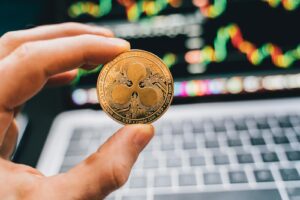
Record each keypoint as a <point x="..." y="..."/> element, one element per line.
<point x="135" y="87"/>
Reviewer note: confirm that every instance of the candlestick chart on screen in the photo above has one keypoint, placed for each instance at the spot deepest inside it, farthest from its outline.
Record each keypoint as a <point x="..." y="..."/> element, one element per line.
<point x="198" y="38"/>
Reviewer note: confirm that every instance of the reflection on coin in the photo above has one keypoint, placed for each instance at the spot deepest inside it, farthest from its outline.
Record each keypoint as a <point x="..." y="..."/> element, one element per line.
<point x="135" y="87"/>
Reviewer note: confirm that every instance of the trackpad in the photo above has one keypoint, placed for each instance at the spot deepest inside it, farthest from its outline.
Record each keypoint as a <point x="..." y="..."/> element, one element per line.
<point x="228" y="195"/>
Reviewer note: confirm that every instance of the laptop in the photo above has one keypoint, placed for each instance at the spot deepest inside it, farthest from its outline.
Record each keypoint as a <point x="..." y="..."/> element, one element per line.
<point x="233" y="130"/>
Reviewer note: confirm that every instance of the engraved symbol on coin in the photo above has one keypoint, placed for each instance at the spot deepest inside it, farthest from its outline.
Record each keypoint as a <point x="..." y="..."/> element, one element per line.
<point x="136" y="92"/>
<point x="136" y="87"/>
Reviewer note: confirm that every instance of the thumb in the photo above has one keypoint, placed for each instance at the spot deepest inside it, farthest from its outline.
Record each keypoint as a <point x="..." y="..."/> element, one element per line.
<point x="109" y="167"/>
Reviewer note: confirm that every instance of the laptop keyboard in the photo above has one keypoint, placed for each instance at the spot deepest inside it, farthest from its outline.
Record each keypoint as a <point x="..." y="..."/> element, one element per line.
<point x="186" y="159"/>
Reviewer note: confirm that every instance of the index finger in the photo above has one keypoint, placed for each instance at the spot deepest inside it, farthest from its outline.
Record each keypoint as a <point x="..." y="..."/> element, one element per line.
<point x="26" y="70"/>
<point x="11" y="40"/>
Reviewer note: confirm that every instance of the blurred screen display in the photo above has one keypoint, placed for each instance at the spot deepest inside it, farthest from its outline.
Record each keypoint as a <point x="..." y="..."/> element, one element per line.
<point x="212" y="47"/>
<point x="220" y="47"/>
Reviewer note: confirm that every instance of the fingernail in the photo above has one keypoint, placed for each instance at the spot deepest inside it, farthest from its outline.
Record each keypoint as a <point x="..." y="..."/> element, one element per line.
<point x="120" y="42"/>
<point x="143" y="135"/>
<point x="104" y="31"/>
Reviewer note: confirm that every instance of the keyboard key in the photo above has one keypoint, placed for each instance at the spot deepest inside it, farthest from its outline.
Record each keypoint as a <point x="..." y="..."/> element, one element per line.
<point x="221" y="159"/>
<point x="76" y="151"/>
<point x="177" y="130"/>
<point x="187" y="179"/>
<point x="284" y="122"/>
<point x="150" y="163"/>
<point x="162" y="181"/>
<point x="198" y="127"/>
<point x="293" y="155"/>
<point x="197" y="161"/>
<point x="295" y="119"/>
<point x="257" y="141"/>
<point x="294" y="193"/>
<point x="174" y="162"/>
<point x="211" y="144"/>
<point x="167" y="146"/>
<point x="298" y="138"/>
<point x="219" y="127"/>
<point x="281" y="139"/>
<point x="110" y="197"/>
<point x="237" y="177"/>
<point x="261" y="194"/>
<point x="212" y="178"/>
<point x="240" y="125"/>
<point x="234" y="142"/>
<point x="189" y="145"/>
<point x="158" y="131"/>
<point x="262" y="124"/>
<point x="77" y="134"/>
<point x="245" y="158"/>
<point x="198" y="130"/>
<point x="297" y="128"/>
<point x="138" y="182"/>
<point x="270" y="157"/>
<point x="289" y="174"/>
<point x="72" y="160"/>
<point x="264" y="175"/>
<point x="139" y="197"/>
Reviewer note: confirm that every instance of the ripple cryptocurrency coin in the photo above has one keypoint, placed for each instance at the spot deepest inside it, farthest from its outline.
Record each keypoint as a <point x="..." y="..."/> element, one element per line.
<point x="135" y="87"/>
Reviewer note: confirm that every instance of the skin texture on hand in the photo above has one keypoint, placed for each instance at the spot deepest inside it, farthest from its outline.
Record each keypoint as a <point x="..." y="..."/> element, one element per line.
<point x="50" y="55"/>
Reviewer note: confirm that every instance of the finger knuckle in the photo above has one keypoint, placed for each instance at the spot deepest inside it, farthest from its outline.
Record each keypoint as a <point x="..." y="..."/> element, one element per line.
<point x="10" y="37"/>
<point x="28" y="186"/>
<point x="119" y="174"/>
<point x="25" y="50"/>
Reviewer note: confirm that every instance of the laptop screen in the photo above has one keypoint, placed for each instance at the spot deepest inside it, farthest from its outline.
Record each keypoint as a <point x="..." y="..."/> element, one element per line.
<point x="215" y="49"/>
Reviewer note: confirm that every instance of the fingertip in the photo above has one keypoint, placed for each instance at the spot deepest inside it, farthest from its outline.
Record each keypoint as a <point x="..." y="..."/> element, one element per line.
<point x="73" y="73"/>
<point x="143" y="133"/>
<point x="70" y="76"/>
<point x="121" y="43"/>
<point x="103" y="31"/>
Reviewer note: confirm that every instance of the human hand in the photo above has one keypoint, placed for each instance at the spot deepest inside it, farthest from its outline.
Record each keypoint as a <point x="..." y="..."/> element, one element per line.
<point x="29" y="60"/>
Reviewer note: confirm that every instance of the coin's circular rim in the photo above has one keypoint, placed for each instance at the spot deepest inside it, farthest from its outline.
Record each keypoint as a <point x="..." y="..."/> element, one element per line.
<point x="166" y="68"/>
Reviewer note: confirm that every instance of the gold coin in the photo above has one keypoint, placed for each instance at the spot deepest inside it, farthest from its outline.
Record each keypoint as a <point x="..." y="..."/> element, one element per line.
<point x="135" y="87"/>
